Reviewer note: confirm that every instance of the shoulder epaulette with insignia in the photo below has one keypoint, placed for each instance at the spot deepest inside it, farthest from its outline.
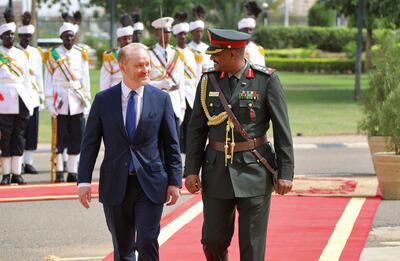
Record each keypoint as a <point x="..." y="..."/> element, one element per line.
<point x="263" y="69"/>
<point x="198" y="56"/>
<point x="261" y="50"/>
<point x="84" y="51"/>
<point x="46" y="55"/>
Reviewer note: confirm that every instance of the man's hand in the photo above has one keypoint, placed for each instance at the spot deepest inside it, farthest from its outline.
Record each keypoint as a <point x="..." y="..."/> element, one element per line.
<point x="193" y="183"/>
<point x="85" y="196"/>
<point x="172" y="195"/>
<point x="283" y="186"/>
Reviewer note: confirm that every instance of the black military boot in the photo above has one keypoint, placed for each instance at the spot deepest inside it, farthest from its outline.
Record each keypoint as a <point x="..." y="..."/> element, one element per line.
<point x="59" y="176"/>
<point x="71" y="177"/>
<point x="29" y="169"/>
<point x="6" y="180"/>
<point x="18" y="179"/>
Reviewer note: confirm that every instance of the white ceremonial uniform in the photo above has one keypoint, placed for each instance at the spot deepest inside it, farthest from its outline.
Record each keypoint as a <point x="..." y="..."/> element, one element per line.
<point x="255" y="54"/>
<point x="15" y="81"/>
<point x="110" y="73"/>
<point x="75" y="92"/>
<point x="192" y="70"/>
<point x="160" y="79"/>
<point x="36" y="73"/>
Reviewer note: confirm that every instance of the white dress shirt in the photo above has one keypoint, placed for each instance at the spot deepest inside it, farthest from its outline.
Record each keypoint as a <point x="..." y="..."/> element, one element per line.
<point x="125" y="91"/>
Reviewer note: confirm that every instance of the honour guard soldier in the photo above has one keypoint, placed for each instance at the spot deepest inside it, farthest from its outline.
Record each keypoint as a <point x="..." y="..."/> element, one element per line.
<point x="167" y="70"/>
<point x="34" y="56"/>
<point x="67" y="91"/>
<point x="16" y="104"/>
<point x="196" y="29"/>
<point x="138" y="28"/>
<point x="192" y="61"/>
<point x="234" y="106"/>
<point x="110" y="73"/>
<point x="253" y="52"/>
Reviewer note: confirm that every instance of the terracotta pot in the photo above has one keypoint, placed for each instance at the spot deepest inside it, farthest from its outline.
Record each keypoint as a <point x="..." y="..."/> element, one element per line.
<point x="379" y="144"/>
<point x="387" y="166"/>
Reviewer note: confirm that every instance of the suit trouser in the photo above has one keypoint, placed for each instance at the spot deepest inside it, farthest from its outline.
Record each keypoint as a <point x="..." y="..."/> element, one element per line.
<point x="134" y="225"/>
<point x="218" y="227"/>
<point x="32" y="131"/>
<point x="12" y="127"/>
<point x="69" y="133"/>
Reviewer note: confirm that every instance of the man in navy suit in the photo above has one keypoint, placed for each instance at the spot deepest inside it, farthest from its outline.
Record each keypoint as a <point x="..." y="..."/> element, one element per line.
<point x="136" y="123"/>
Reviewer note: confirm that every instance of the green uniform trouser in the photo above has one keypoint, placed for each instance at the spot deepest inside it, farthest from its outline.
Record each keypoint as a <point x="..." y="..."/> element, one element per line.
<point x="218" y="227"/>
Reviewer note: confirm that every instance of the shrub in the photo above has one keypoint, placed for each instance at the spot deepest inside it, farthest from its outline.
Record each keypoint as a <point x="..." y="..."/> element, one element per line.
<point x="320" y="15"/>
<point x="321" y="65"/>
<point x="331" y="39"/>
<point x="384" y="79"/>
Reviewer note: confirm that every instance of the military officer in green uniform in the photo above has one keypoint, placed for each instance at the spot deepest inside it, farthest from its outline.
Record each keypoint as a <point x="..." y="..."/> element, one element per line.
<point x="232" y="177"/>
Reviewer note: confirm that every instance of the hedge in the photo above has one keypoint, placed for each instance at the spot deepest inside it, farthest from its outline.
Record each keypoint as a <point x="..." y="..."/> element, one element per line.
<point x="320" y="65"/>
<point x="332" y="39"/>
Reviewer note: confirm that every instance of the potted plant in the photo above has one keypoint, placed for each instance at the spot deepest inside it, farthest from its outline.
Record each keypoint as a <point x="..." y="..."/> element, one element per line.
<point x="387" y="117"/>
<point x="382" y="80"/>
<point x="387" y="164"/>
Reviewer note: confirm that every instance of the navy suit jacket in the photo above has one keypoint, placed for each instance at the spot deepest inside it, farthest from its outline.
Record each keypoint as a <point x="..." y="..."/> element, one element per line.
<point x="155" y="135"/>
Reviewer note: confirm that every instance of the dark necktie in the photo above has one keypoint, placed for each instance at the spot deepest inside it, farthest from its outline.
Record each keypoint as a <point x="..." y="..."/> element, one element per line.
<point x="130" y="123"/>
<point x="232" y="83"/>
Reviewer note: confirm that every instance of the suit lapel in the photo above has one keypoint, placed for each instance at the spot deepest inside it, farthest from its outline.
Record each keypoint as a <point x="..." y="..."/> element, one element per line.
<point x="118" y="110"/>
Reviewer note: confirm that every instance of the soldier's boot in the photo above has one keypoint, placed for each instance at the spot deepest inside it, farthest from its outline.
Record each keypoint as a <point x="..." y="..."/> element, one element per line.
<point x="6" y="180"/>
<point x="72" y="177"/>
<point x="17" y="178"/>
<point x="16" y="167"/>
<point x="30" y="169"/>
<point x="6" y="168"/>
<point x="59" y="176"/>
<point x="72" y="167"/>
<point x="27" y="167"/>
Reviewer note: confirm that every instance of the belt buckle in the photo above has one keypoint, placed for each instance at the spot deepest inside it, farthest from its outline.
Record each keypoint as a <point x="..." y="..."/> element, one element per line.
<point x="131" y="173"/>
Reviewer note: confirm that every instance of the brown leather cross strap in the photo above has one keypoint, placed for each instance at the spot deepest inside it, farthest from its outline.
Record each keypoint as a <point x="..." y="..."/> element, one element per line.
<point x="239" y="146"/>
<point x="240" y="129"/>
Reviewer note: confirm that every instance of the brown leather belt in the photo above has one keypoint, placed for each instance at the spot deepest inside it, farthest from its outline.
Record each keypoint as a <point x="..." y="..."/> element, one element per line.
<point x="173" y="88"/>
<point x="239" y="146"/>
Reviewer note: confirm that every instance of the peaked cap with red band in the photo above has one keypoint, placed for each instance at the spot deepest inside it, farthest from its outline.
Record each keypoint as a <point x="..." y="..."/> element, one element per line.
<point x="221" y="39"/>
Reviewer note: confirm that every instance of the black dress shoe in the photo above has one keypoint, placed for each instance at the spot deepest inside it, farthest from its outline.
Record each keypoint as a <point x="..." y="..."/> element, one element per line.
<point x="17" y="179"/>
<point x="59" y="176"/>
<point x="71" y="177"/>
<point x="29" y="169"/>
<point x="6" y="180"/>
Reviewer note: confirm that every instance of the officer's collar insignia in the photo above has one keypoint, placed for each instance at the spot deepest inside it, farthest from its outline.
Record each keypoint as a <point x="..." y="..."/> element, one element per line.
<point x="249" y="74"/>
<point x="222" y="75"/>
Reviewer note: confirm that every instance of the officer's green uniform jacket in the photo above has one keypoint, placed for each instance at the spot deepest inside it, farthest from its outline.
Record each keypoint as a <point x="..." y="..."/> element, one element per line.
<point x="245" y="177"/>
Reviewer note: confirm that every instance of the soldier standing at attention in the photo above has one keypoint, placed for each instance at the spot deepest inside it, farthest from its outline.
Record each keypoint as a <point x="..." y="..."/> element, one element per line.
<point x="34" y="56"/>
<point x="196" y="29"/>
<point x="238" y="164"/>
<point x="67" y="91"/>
<point x="253" y="52"/>
<point x="191" y="60"/>
<point x="16" y="104"/>
<point x="110" y="73"/>
<point x="167" y="70"/>
<point x="138" y="28"/>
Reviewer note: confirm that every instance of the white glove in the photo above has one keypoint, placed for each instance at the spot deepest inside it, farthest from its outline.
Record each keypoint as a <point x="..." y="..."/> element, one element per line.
<point x="52" y="110"/>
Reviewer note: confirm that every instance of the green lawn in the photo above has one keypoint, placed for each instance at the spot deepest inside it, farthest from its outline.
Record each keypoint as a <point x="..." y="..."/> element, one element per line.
<point x="319" y="104"/>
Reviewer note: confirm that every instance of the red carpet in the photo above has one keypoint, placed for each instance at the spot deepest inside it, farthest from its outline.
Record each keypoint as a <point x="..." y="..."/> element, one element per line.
<point x="50" y="191"/>
<point x="299" y="229"/>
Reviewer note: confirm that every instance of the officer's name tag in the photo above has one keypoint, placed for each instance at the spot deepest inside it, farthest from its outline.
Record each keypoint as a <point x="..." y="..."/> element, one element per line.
<point x="213" y="94"/>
